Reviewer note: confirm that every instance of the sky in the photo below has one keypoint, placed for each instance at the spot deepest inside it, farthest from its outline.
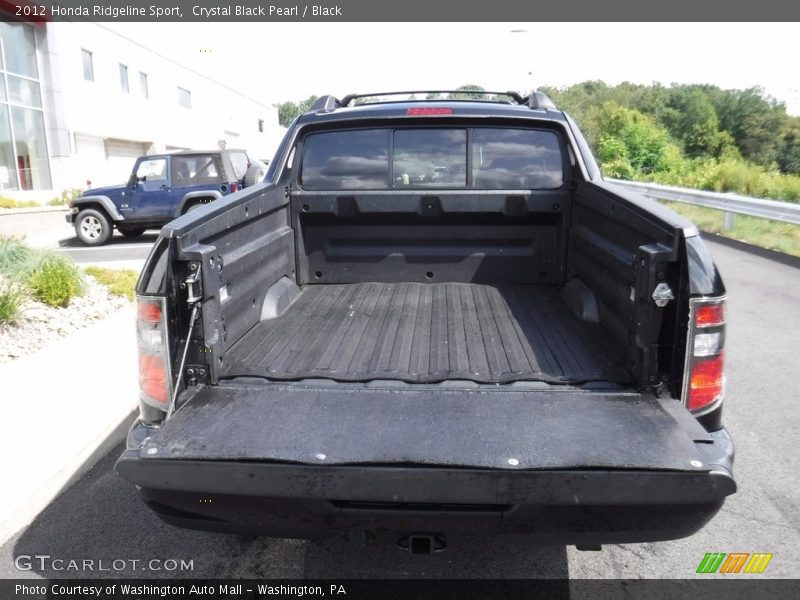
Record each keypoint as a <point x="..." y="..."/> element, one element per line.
<point x="274" y="62"/>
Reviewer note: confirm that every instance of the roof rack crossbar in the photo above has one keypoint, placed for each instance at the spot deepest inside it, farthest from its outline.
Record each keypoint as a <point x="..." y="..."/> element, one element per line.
<point x="513" y="95"/>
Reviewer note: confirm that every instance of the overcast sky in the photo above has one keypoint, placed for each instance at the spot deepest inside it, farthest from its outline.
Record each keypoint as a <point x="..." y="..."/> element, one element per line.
<point x="290" y="61"/>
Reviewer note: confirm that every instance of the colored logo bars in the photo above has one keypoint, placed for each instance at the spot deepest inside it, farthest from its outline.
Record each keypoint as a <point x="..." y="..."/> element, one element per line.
<point x="736" y="562"/>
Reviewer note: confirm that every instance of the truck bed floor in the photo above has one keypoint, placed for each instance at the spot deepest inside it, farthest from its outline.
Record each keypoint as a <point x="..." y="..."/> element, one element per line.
<point x="427" y="333"/>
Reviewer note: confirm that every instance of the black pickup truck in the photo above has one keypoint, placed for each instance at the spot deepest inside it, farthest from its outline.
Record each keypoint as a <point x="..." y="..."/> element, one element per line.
<point x="433" y="316"/>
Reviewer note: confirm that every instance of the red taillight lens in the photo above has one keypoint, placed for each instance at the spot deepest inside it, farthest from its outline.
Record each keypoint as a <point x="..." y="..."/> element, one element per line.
<point x="148" y="312"/>
<point x="421" y="112"/>
<point x="705" y="378"/>
<point x="153" y="379"/>
<point x="155" y="385"/>
<point x="235" y="186"/>
<point x="705" y="383"/>
<point x="709" y="315"/>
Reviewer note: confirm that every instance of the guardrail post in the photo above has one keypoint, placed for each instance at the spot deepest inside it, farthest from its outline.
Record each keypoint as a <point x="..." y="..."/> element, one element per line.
<point x="730" y="220"/>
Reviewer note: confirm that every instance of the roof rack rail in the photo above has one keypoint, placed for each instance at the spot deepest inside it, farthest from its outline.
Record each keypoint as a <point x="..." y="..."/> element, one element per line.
<point x="537" y="99"/>
<point x="325" y="104"/>
<point x="534" y="100"/>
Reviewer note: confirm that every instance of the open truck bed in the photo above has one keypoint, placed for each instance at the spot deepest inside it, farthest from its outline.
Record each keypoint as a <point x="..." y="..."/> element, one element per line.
<point x="419" y="332"/>
<point x="505" y="342"/>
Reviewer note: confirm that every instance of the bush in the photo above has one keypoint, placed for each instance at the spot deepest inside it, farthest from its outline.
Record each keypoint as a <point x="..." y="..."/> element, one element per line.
<point x="65" y="198"/>
<point x="53" y="279"/>
<point x="11" y="300"/>
<point x="120" y="282"/>
<point x="9" y="203"/>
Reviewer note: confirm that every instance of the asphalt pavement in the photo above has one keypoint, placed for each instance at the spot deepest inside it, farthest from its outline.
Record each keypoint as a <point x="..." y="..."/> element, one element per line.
<point x="119" y="251"/>
<point x="101" y="517"/>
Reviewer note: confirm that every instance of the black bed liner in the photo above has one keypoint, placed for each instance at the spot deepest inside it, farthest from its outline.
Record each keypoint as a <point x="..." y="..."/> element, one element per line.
<point x="421" y="425"/>
<point x="428" y="333"/>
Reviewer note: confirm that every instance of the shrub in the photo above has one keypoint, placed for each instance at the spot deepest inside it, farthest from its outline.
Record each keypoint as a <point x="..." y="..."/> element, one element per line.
<point x="9" y="203"/>
<point x="53" y="279"/>
<point x="11" y="300"/>
<point x="65" y="198"/>
<point x="120" y="282"/>
<point x="13" y="254"/>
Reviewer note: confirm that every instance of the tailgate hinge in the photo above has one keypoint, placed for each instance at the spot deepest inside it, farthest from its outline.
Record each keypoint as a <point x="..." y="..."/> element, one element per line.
<point x="194" y="287"/>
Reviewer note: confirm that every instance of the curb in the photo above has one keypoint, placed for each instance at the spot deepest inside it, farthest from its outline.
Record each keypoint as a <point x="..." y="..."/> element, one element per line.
<point x="780" y="257"/>
<point x="70" y="472"/>
<point x="28" y="210"/>
<point x="69" y="404"/>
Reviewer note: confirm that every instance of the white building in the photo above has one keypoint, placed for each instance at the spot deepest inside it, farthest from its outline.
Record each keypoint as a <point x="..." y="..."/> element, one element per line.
<point x="79" y="101"/>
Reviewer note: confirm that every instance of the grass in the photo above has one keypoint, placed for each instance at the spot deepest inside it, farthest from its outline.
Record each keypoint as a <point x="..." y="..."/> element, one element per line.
<point x="11" y="301"/>
<point x="773" y="235"/>
<point x="13" y="254"/>
<point x="120" y="282"/>
<point x="9" y="203"/>
<point x="45" y="275"/>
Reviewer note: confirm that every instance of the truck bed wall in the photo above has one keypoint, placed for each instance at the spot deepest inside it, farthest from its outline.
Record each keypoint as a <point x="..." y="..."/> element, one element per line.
<point x="430" y="236"/>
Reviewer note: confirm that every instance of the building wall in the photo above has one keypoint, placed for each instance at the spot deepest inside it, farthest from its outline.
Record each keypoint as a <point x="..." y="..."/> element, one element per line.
<point x="95" y="128"/>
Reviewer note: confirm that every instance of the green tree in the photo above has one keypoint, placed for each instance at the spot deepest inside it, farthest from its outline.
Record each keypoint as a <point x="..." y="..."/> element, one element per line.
<point x="462" y="93"/>
<point x="692" y="119"/>
<point x="629" y="142"/>
<point x="288" y="111"/>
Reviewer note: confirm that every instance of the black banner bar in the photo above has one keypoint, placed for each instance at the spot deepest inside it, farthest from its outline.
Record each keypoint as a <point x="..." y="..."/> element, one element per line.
<point x="733" y="588"/>
<point x="405" y="10"/>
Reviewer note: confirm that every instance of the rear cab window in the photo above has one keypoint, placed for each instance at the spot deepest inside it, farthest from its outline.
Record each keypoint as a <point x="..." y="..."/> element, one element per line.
<point x="452" y="157"/>
<point x="240" y="163"/>
<point x="195" y="169"/>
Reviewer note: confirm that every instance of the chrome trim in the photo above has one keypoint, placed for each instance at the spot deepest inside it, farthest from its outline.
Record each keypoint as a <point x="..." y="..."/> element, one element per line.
<point x="689" y="355"/>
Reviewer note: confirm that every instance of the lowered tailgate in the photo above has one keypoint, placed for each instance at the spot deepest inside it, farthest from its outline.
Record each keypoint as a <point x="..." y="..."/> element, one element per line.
<point x="497" y="429"/>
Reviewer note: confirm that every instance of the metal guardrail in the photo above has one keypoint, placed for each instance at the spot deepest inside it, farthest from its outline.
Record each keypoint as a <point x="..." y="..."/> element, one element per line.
<point x="788" y="212"/>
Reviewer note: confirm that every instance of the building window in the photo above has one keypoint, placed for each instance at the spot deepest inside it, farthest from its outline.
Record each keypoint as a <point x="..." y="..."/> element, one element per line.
<point x="184" y="98"/>
<point x="123" y="79"/>
<point x="24" y="161"/>
<point x="88" y="65"/>
<point x="143" y="85"/>
<point x="19" y="54"/>
<point x="261" y="126"/>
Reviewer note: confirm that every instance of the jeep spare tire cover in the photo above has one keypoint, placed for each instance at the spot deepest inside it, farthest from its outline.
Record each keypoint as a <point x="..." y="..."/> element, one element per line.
<point x="254" y="174"/>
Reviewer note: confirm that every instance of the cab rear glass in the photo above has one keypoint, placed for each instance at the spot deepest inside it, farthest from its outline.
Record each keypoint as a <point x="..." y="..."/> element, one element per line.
<point x="454" y="158"/>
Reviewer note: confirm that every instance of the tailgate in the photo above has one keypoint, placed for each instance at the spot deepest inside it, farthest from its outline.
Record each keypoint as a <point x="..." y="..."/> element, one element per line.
<point x="469" y="428"/>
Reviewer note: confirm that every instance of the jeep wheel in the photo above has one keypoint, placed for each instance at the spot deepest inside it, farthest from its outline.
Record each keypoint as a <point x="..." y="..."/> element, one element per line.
<point x="131" y="233"/>
<point x="92" y="227"/>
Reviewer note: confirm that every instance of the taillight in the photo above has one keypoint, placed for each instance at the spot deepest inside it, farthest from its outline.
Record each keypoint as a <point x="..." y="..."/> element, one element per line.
<point x="235" y="187"/>
<point x="705" y="380"/>
<point x="155" y="374"/>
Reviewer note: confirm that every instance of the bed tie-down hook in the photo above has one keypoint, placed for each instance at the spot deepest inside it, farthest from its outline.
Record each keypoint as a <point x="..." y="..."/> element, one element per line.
<point x="662" y="295"/>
